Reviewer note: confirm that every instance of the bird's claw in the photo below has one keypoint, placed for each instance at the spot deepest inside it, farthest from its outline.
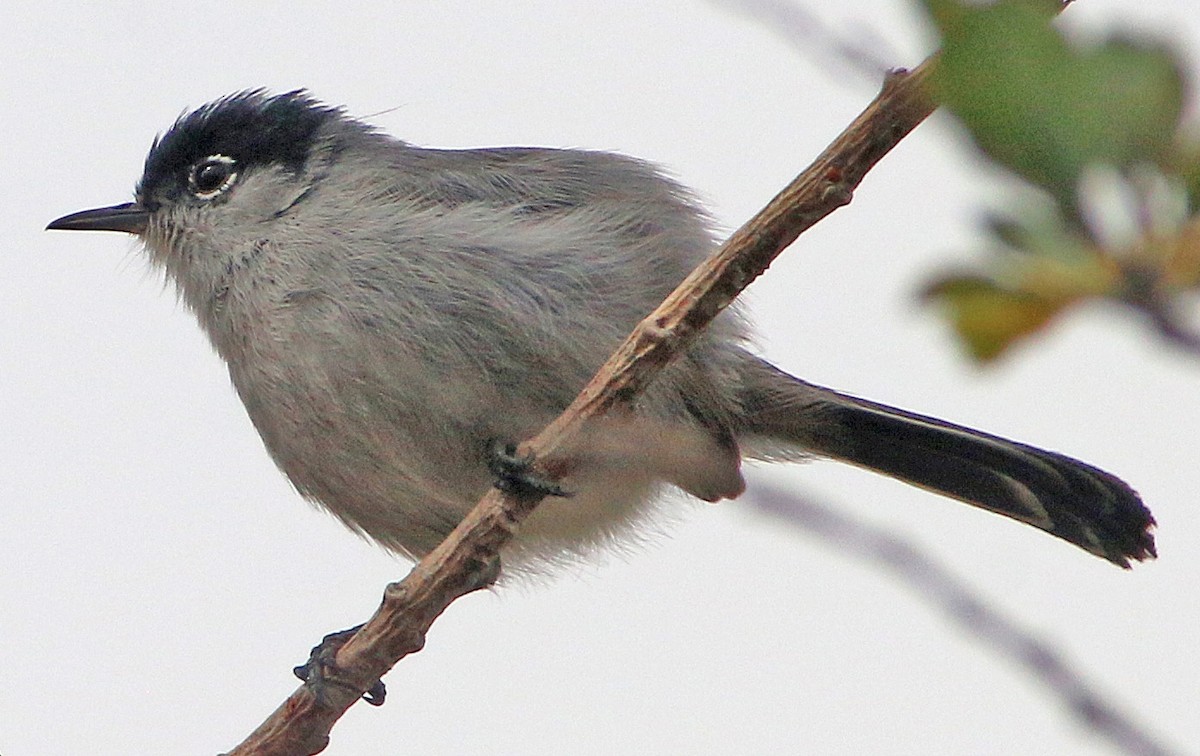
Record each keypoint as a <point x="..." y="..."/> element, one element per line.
<point x="320" y="669"/>
<point x="514" y="474"/>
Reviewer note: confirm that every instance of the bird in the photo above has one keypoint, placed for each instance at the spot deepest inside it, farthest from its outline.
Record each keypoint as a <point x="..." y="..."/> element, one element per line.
<point x="395" y="317"/>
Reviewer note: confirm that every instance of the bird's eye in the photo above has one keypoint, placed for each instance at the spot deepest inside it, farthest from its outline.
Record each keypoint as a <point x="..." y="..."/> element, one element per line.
<point x="212" y="176"/>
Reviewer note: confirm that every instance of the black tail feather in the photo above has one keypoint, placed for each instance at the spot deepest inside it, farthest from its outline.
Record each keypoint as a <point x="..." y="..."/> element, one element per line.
<point x="1065" y="497"/>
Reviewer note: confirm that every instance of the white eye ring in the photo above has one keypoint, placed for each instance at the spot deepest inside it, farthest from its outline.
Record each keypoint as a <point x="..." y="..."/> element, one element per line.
<point x="212" y="176"/>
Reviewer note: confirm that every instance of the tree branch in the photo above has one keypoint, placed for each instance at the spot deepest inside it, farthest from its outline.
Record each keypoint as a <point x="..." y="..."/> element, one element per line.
<point x="940" y="588"/>
<point x="301" y="725"/>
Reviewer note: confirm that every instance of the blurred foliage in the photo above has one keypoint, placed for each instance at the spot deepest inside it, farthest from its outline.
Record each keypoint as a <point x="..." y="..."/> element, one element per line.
<point x="1098" y="132"/>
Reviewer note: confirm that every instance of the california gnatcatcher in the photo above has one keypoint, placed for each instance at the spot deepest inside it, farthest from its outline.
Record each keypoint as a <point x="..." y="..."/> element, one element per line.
<point x="390" y="313"/>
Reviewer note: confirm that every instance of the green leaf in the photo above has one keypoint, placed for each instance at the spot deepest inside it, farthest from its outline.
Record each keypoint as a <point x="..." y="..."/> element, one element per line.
<point x="1044" y="109"/>
<point x="990" y="319"/>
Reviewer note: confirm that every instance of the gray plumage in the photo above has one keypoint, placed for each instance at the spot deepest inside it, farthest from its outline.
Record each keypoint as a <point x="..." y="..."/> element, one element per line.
<point x="389" y="312"/>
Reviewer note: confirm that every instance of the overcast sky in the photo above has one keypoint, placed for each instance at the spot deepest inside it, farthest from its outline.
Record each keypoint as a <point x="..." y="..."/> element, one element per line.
<point x="159" y="577"/>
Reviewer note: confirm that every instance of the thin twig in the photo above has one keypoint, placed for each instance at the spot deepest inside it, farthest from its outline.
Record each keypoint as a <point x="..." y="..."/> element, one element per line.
<point x="808" y="35"/>
<point x="940" y="587"/>
<point x="301" y="725"/>
<point x="1175" y="332"/>
<point x="1164" y="316"/>
<point x="1146" y="292"/>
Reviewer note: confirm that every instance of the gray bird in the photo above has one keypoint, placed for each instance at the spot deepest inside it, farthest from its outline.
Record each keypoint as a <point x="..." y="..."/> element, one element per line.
<point x="390" y="313"/>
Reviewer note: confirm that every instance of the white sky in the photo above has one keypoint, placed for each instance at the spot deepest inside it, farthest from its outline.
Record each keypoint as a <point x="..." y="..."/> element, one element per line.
<point x="159" y="578"/>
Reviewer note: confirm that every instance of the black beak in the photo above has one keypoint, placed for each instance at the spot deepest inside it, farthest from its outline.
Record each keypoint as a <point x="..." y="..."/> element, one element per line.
<point x="129" y="217"/>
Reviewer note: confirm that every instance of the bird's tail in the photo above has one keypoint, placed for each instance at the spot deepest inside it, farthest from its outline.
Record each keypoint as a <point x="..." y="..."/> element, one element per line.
<point x="1060" y="495"/>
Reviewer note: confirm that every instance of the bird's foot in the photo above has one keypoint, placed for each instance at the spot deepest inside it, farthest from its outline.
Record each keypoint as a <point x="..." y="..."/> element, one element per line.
<point x="320" y="670"/>
<point x="514" y="474"/>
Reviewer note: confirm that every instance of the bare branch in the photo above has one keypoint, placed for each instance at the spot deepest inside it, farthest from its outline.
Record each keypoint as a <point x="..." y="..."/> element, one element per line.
<point x="941" y="588"/>
<point x="301" y="725"/>
<point x="1175" y="332"/>
<point x="1146" y="292"/>
<point x="809" y="36"/>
